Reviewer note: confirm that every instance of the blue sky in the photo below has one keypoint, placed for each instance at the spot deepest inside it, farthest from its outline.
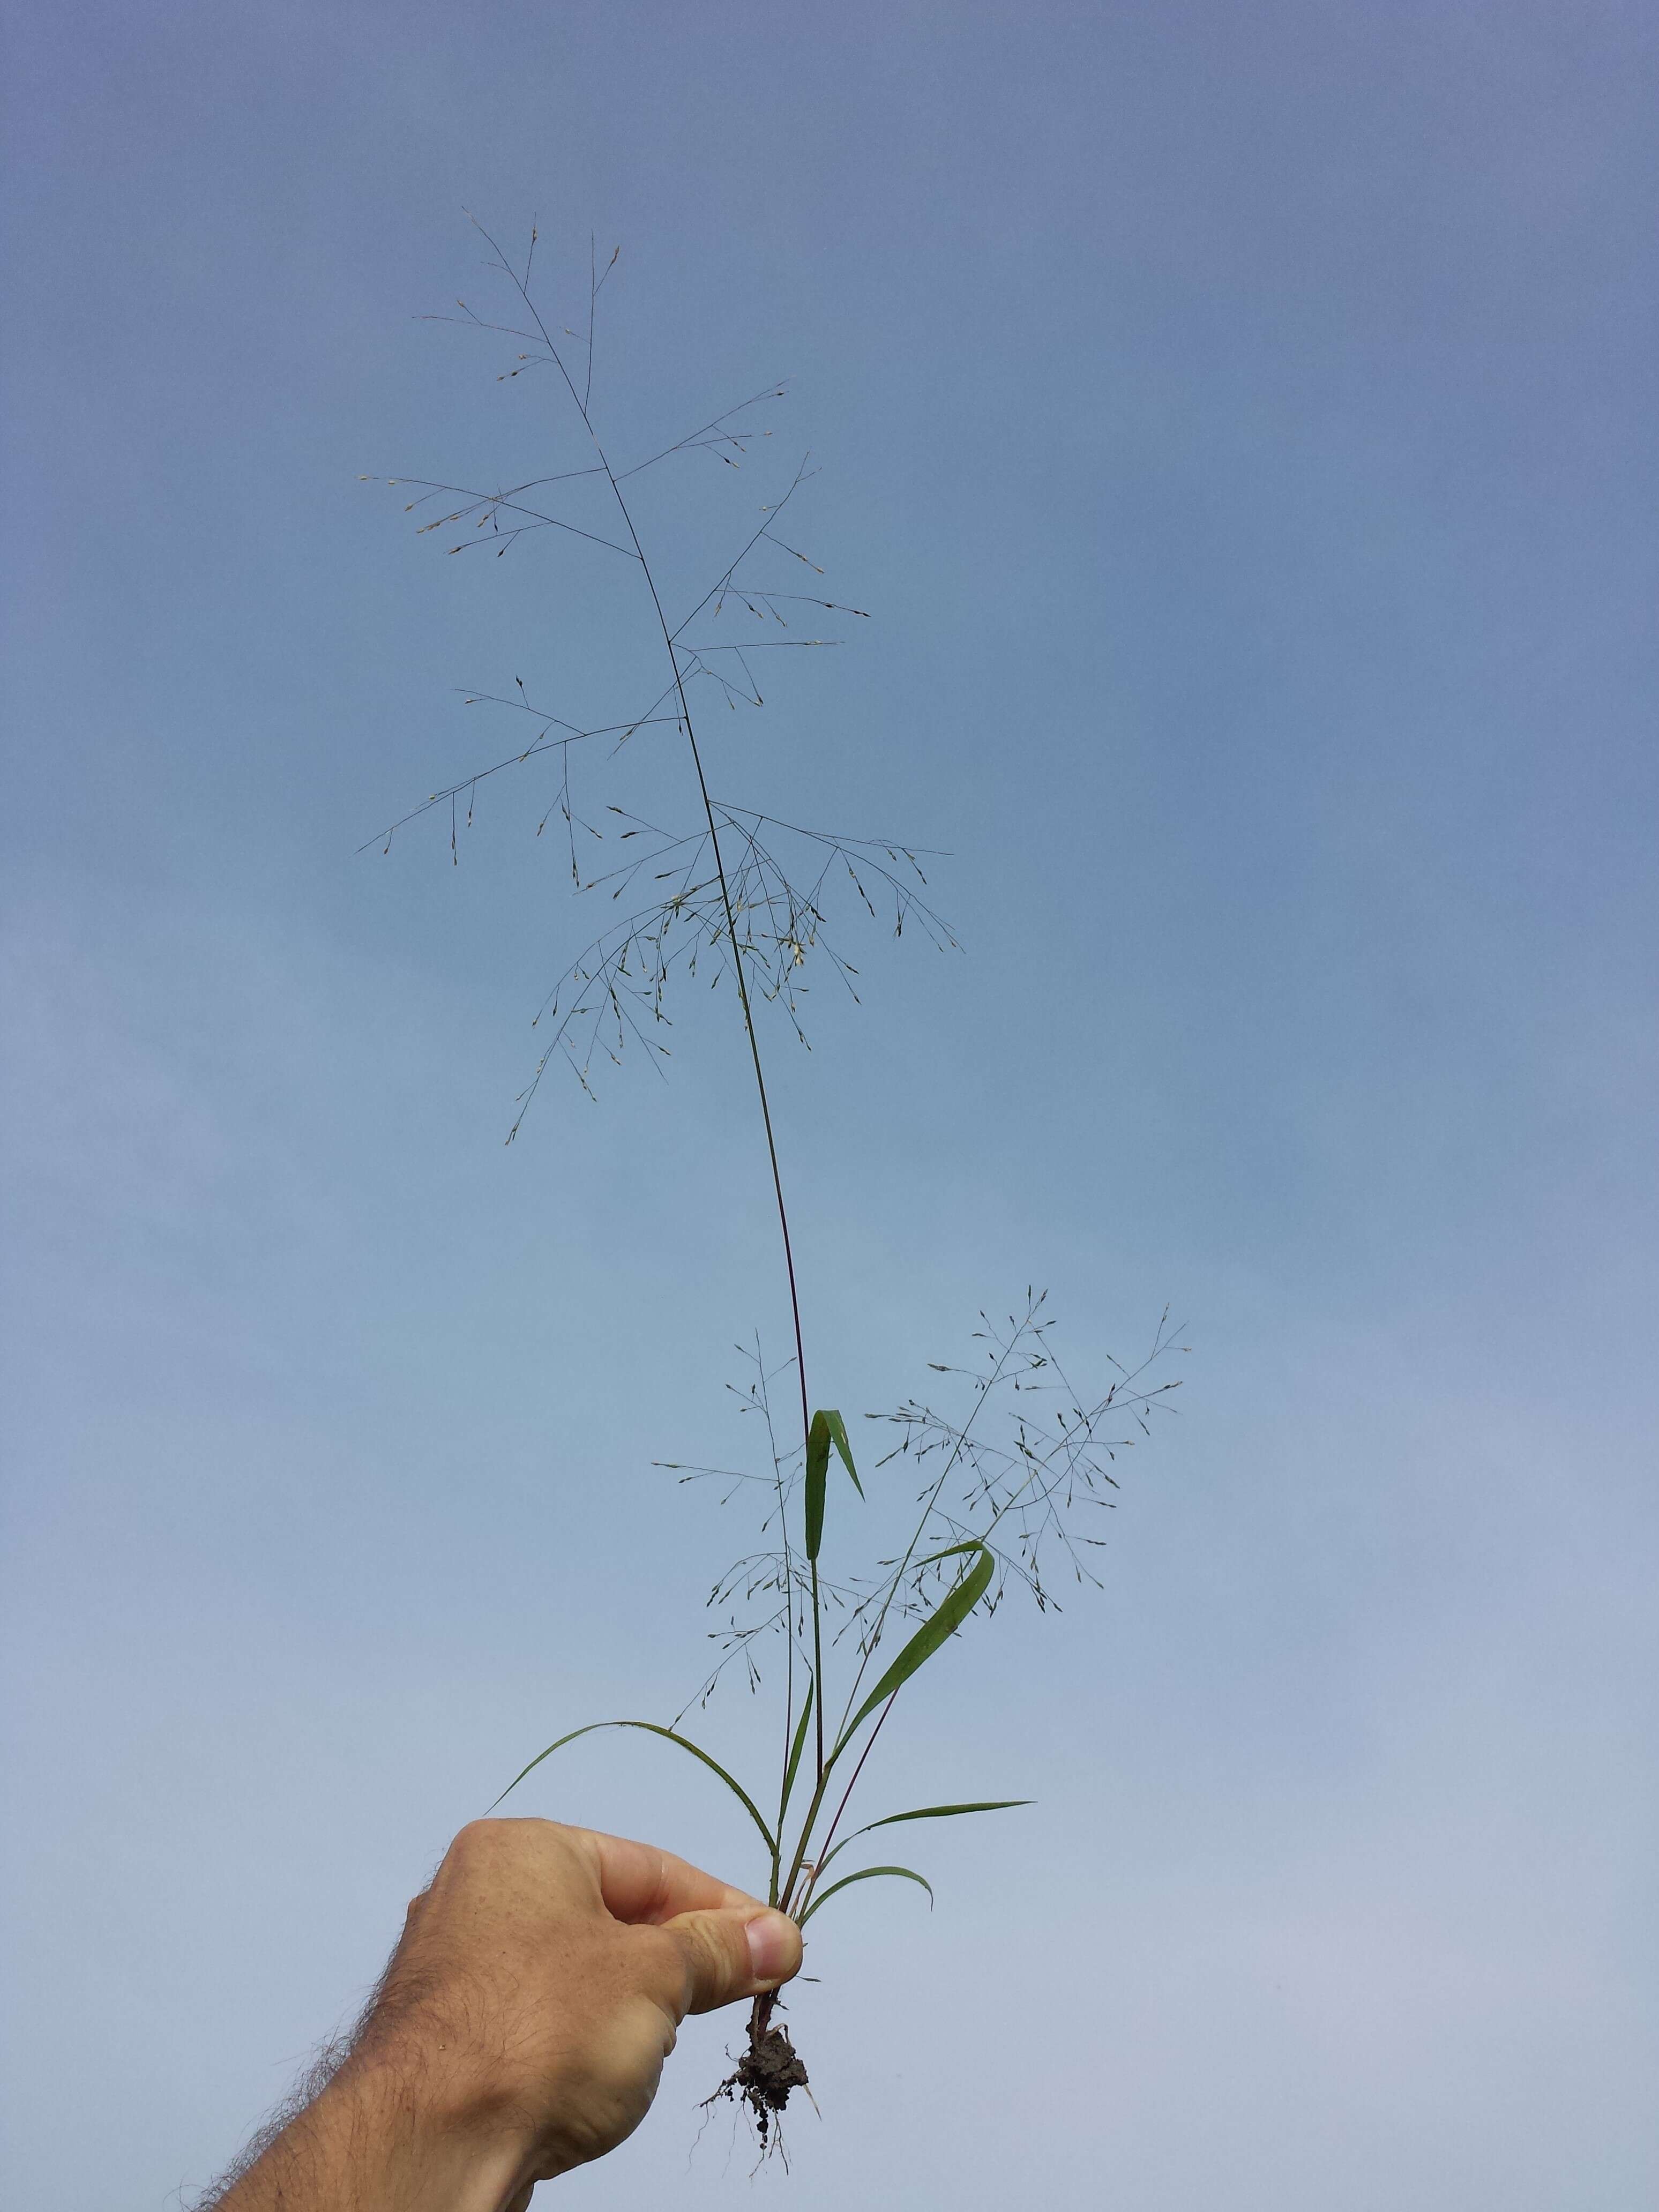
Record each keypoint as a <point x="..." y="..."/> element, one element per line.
<point x="1240" y="426"/>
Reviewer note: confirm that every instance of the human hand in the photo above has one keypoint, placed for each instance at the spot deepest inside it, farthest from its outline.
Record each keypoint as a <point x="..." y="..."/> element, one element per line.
<point x="522" y="2024"/>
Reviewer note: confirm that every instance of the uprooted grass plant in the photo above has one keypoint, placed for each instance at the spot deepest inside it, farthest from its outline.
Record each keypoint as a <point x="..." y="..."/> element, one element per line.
<point x="1005" y="1464"/>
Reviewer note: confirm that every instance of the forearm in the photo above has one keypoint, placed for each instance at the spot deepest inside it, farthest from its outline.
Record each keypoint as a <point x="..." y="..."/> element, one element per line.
<point x="521" y="2025"/>
<point x="384" y="2136"/>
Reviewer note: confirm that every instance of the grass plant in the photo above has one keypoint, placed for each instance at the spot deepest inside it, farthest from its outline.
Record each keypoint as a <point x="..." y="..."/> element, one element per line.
<point x="1005" y="1463"/>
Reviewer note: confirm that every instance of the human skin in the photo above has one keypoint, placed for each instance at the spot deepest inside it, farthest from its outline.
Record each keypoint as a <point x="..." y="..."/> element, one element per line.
<point x="522" y="2023"/>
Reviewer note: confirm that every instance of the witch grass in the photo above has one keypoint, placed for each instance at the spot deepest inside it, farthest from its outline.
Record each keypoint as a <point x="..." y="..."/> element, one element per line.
<point x="1010" y="1469"/>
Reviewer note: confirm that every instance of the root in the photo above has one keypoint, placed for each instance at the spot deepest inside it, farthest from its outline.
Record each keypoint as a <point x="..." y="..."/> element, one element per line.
<point x="763" y="2077"/>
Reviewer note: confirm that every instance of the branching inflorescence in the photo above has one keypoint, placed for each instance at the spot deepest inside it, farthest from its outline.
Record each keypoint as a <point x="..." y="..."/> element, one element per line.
<point x="1009" y="1476"/>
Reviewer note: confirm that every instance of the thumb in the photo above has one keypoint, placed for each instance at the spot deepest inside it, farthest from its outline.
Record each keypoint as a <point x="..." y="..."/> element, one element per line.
<point x="736" y="1952"/>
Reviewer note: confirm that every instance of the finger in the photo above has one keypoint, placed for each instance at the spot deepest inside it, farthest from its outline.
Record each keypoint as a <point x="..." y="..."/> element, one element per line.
<point x="643" y="1885"/>
<point x="734" y="1952"/>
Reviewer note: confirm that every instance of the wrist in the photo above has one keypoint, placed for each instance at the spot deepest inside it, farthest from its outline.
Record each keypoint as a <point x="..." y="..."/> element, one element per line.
<point x="441" y="2143"/>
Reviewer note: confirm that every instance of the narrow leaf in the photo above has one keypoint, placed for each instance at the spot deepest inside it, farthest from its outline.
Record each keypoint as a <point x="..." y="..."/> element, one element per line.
<point x="789" y="1771"/>
<point x="923" y="1812"/>
<point x="827" y="1429"/>
<point x="838" y="1433"/>
<point x="864" y="1873"/>
<point x="818" y="1472"/>
<point x="953" y="1608"/>
<point x="652" y="1728"/>
<point x="945" y="1813"/>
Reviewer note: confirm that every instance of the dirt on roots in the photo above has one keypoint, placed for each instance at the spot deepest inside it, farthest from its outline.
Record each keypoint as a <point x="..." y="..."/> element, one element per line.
<point x="765" y="2075"/>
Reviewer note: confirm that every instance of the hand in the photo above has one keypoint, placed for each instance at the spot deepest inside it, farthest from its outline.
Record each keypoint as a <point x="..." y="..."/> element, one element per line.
<point x="522" y="2024"/>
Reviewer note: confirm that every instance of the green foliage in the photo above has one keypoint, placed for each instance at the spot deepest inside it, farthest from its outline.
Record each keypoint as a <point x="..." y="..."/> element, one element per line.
<point x="747" y="894"/>
<point x="951" y="1611"/>
<point x="827" y="1429"/>
<point x="923" y="1812"/>
<point x="652" y="1727"/>
<point x="792" y="1766"/>
<point x="864" y="1873"/>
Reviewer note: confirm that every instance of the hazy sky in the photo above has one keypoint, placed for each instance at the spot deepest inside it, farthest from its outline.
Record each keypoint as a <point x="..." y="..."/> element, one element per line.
<point x="1239" y="423"/>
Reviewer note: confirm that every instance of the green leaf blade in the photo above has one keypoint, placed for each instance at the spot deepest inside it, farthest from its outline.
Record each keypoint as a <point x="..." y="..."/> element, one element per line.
<point x="652" y="1728"/>
<point x="817" y="1481"/>
<point x="838" y="1438"/>
<point x="952" y="1609"/>
<point x="795" y="1751"/>
<point x="924" y="1812"/>
<point x="867" y="1873"/>
<point x="946" y="1812"/>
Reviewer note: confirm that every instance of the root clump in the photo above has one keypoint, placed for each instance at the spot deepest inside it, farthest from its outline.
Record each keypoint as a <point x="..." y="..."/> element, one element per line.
<point x="764" y="2077"/>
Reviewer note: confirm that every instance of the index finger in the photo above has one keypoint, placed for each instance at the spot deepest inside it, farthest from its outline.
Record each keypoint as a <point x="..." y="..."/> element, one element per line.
<point x="646" y="1886"/>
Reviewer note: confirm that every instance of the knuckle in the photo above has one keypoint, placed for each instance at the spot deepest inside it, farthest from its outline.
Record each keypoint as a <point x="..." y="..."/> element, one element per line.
<point x="491" y="1838"/>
